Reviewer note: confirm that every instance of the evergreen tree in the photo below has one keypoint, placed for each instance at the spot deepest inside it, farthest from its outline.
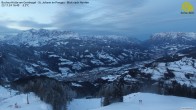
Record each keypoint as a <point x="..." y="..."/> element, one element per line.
<point x="106" y="100"/>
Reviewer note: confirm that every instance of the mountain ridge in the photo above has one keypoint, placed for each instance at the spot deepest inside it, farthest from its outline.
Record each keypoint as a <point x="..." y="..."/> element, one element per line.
<point x="65" y="54"/>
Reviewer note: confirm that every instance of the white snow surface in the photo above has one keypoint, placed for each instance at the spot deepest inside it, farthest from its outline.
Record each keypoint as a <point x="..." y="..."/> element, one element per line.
<point x="96" y="62"/>
<point x="174" y="35"/>
<point x="151" y="102"/>
<point x="8" y="101"/>
<point x="131" y="102"/>
<point x="179" y="68"/>
<point x="30" y="69"/>
<point x="111" y="77"/>
<point x="84" y="104"/>
<point x="65" y="71"/>
<point x="106" y="56"/>
<point x="78" y="65"/>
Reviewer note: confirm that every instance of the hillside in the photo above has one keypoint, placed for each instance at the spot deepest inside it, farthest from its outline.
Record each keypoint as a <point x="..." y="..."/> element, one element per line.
<point x="10" y="100"/>
<point x="151" y="102"/>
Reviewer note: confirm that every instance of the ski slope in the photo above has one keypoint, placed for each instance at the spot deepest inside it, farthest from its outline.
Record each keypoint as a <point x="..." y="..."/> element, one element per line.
<point x="152" y="102"/>
<point x="84" y="104"/>
<point x="131" y="102"/>
<point x="9" y="99"/>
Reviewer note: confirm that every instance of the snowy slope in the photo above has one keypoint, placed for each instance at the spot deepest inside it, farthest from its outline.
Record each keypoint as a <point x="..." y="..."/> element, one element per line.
<point x="84" y="104"/>
<point x="7" y="101"/>
<point x="152" y="102"/>
<point x="170" y="42"/>
<point x="184" y="71"/>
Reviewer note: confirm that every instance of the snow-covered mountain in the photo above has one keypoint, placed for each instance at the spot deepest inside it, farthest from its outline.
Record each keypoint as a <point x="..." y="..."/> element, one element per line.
<point x="62" y="54"/>
<point x="73" y="63"/>
<point x="170" y="42"/>
<point x="173" y="38"/>
<point x="42" y="37"/>
<point x="37" y="38"/>
<point x="67" y="55"/>
<point x="179" y="68"/>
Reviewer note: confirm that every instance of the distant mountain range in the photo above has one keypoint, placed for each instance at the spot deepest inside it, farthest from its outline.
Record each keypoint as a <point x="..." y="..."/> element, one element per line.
<point x="170" y="42"/>
<point x="65" y="55"/>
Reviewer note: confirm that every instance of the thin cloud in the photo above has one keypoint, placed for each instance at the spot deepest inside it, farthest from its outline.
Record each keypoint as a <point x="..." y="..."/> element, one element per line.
<point x="33" y="24"/>
<point x="138" y="18"/>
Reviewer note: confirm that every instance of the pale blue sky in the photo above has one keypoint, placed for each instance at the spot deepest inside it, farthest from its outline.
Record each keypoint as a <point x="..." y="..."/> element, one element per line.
<point x="136" y="18"/>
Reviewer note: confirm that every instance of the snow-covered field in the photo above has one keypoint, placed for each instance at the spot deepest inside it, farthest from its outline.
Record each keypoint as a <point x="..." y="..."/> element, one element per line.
<point x="8" y="101"/>
<point x="84" y="104"/>
<point x="131" y="102"/>
<point x="152" y="102"/>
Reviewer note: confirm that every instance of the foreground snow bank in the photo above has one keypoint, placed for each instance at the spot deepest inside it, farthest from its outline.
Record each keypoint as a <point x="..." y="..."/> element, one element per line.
<point x="152" y="102"/>
<point x="9" y="99"/>
<point x="131" y="102"/>
<point x="84" y="104"/>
